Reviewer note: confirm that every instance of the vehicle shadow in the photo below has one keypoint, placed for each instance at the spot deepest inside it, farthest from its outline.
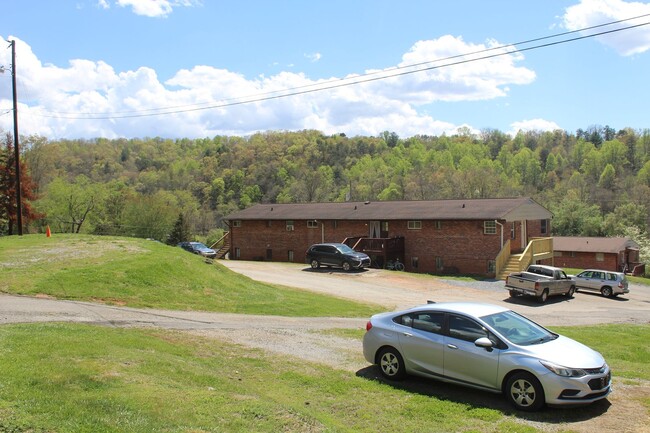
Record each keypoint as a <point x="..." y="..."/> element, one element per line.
<point x="327" y="270"/>
<point x="598" y="295"/>
<point x="486" y="400"/>
<point x="530" y="301"/>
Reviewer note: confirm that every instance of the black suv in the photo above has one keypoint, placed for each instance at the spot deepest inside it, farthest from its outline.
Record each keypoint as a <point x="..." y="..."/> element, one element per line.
<point x="339" y="255"/>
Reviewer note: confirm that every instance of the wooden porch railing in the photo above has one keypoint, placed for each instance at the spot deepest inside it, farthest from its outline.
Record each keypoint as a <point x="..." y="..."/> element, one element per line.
<point x="220" y="240"/>
<point x="383" y="249"/>
<point x="502" y="258"/>
<point x="537" y="249"/>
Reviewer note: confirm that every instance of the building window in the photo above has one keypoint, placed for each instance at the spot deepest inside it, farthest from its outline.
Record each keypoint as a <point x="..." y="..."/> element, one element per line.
<point x="312" y="224"/>
<point x="335" y="224"/>
<point x="437" y="225"/>
<point x="600" y="257"/>
<point x="544" y="227"/>
<point x="236" y="223"/>
<point x="557" y="253"/>
<point x="414" y="262"/>
<point x="414" y="225"/>
<point x="492" y="266"/>
<point x="290" y="255"/>
<point x="237" y="253"/>
<point x="439" y="264"/>
<point x="269" y="223"/>
<point x="513" y="231"/>
<point x="289" y="226"/>
<point x="269" y="254"/>
<point x="384" y="226"/>
<point x="490" y="227"/>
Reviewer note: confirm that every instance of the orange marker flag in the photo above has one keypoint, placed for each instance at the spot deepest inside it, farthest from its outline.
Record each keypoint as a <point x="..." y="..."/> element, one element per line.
<point x="48" y="233"/>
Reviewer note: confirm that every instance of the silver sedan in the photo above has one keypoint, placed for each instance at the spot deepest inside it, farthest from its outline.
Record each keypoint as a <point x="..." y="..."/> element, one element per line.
<point x="487" y="347"/>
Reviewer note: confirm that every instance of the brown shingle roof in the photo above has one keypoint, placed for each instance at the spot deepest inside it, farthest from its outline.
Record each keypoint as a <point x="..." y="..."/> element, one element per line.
<point x="581" y="244"/>
<point x="508" y="209"/>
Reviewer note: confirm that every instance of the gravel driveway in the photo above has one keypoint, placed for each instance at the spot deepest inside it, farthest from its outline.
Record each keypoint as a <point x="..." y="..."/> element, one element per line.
<point x="309" y="338"/>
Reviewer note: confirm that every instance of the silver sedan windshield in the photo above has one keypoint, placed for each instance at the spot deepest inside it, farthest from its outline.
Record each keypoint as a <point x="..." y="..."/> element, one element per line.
<point x="518" y="329"/>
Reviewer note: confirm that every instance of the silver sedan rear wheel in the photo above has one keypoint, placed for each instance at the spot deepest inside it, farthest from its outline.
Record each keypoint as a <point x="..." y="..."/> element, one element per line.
<point x="391" y="364"/>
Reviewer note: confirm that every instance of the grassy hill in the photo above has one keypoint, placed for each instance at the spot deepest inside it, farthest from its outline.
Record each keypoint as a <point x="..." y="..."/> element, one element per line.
<point x="147" y="274"/>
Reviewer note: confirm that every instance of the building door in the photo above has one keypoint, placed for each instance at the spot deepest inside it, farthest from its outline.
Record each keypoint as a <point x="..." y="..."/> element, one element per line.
<point x="375" y="229"/>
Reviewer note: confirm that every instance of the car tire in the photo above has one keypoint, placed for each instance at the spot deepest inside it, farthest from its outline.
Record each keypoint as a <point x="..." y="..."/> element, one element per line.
<point x="346" y="266"/>
<point x="314" y="264"/>
<point x="513" y="293"/>
<point x="606" y="291"/>
<point x="571" y="292"/>
<point x="543" y="297"/>
<point x="391" y="364"/>
<point x="524" y="392"/>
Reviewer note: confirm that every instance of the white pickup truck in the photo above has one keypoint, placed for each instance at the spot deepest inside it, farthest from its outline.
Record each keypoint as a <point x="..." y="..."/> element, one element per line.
<point x="541" y="281"/>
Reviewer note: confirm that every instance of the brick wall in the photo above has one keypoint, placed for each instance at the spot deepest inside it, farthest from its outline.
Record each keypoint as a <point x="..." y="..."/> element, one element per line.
<point x="582" y="260"/>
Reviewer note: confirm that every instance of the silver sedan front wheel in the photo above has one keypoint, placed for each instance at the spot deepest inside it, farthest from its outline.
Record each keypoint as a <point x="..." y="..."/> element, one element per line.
<point x="524" y="392"/>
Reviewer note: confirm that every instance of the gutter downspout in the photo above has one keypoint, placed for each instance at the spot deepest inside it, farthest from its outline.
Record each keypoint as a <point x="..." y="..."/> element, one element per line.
<point x="500" y="225"/>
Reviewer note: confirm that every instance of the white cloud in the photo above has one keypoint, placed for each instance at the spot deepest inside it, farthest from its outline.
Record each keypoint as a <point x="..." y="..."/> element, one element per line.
<point x="90" y="99"/>
<point x="589" y="13"/>
<point x="532" y="125"/>
<point x="153" y="8"/>
<point x="313" y="57"/>
<point x="453" y="75"/>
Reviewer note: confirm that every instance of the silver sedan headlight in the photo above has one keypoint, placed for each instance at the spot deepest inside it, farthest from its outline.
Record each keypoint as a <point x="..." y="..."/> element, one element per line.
<point x="564" y="371"/>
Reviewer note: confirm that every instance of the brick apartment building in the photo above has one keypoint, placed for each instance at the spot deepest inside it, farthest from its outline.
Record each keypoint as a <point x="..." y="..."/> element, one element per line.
<point x="439" y="237"/>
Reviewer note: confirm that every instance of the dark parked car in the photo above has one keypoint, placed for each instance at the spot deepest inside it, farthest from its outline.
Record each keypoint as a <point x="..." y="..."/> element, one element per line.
<point x="198" y="248"/>
<point x="338" y="255"/>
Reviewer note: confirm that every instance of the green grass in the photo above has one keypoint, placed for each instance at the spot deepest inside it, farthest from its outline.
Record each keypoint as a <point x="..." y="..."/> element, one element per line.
<point x="625" y="347"/>
<point x="83" y="378"/>
<point x="146" y="274"/>
<point x="79" y="378"/>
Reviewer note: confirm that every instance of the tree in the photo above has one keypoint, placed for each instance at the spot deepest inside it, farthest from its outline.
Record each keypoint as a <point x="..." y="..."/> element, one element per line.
<point x="180" y="232"/>
<point x="68" y="205"/>
<point x="608" y="177"/>
<point x="8" y="202"/>
<point x="576" y="218"/>
<point x="624" y="216"/>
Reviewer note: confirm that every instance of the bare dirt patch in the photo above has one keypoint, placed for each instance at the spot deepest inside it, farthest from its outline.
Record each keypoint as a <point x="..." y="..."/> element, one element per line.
<point x="22" y="258"/>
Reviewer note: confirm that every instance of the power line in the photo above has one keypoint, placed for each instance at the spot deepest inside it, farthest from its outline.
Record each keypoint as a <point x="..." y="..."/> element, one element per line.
<point x="359" y="79"/>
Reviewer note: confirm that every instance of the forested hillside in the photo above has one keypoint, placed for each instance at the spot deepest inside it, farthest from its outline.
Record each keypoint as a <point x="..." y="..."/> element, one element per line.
<point x="596" y="182"/>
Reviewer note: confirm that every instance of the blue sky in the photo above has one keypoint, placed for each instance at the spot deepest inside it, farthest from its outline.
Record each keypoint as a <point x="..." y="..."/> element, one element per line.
<point x="190" y="68"/>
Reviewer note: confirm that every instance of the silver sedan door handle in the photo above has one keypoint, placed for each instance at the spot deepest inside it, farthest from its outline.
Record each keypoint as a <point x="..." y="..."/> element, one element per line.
<point x="452" y="346"/>
<point x="407" y="334"/>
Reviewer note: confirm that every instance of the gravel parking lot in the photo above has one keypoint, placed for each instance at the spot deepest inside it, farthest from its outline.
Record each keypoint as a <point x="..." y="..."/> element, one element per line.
<point x="311" y="340"/>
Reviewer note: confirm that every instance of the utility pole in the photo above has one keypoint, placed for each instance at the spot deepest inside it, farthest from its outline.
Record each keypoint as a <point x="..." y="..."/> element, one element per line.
<point x="19" y="202"/>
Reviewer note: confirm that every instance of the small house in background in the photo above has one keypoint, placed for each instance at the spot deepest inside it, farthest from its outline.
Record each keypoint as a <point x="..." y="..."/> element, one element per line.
<point x="610" y="254"/>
